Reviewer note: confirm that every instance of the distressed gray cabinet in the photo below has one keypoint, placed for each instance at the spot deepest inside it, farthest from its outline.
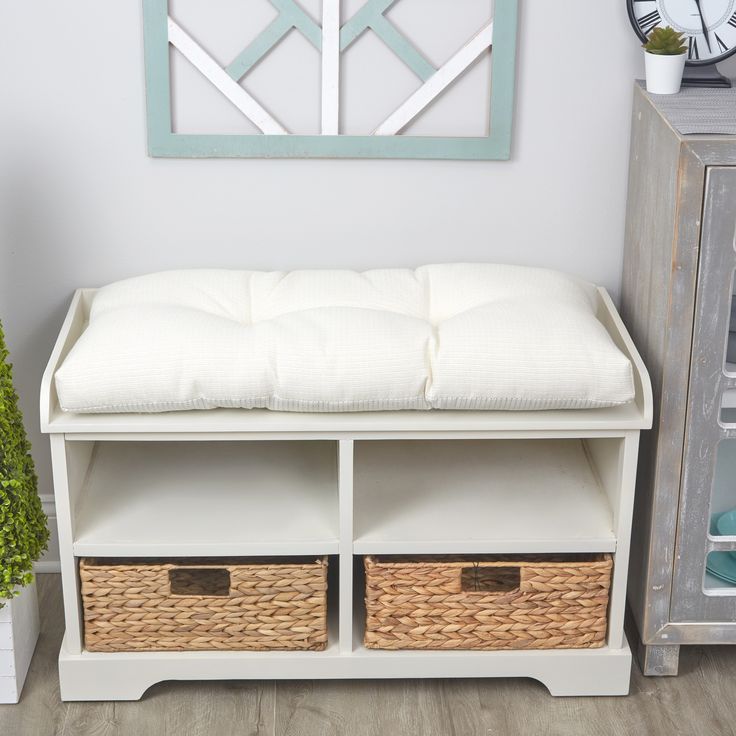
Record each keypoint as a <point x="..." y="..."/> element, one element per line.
<point x="676" y="299"/>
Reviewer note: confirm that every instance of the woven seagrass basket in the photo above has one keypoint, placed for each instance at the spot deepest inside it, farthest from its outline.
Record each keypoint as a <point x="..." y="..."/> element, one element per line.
<point x="179" y="605"/>
<point x="510" y="602"/>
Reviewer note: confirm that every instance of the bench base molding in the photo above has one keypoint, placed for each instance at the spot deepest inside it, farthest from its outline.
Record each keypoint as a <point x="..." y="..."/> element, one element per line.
<point x="127" y="676"/>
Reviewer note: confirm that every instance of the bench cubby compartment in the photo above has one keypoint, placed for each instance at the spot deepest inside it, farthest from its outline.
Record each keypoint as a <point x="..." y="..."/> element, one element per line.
<point x="479" y="496"/>
<point x="189" y="499"/>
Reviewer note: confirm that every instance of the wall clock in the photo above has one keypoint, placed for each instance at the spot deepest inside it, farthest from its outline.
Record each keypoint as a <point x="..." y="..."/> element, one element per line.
<point x="709" y="27"/>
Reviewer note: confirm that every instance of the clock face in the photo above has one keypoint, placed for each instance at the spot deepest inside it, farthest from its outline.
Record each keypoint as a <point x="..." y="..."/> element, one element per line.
<point x="709" y="26"/>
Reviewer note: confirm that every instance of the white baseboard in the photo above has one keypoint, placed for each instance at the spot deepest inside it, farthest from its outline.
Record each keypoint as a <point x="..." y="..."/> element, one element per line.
<point x="47" y="566"/>
<point x="50" y="561"/>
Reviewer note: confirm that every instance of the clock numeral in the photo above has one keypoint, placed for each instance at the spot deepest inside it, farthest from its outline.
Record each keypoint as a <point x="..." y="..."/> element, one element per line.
<point x="732" y="20"/>
<point x="649" y="21"/>
<point x="692" y="50"/>
<point x="721" y="45"/>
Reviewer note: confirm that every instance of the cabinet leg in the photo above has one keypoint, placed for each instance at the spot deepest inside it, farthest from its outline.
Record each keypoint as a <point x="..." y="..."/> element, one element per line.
<point x="659" y="660"/>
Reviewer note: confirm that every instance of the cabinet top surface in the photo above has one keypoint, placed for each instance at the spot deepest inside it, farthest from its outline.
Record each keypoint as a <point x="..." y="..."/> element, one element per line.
<point x="697" y="109"/>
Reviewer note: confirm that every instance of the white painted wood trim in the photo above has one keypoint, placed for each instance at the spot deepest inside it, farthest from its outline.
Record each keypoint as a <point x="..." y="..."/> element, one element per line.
<point x="205" y="64"/>
<point x="611" y="319"/>
<point x="437" y="83"/>
<point x="127" y="675"/>
<point x="71" y="329"/>
<point x="66" y="496"/>
<point x="442" y="433"/>
<point x="623" y="515"/>
<point x="345" y="455"/>
<point x="330" y="66"/>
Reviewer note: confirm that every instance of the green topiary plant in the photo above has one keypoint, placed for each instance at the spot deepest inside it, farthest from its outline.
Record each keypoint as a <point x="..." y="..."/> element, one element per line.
<point x="23" y="532"/>
<point x="665" y="42"/>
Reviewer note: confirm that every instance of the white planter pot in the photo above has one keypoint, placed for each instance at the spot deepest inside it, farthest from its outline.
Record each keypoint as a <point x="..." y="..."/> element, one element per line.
<point x="664" y="73"/>
<point x="19" y="625"/>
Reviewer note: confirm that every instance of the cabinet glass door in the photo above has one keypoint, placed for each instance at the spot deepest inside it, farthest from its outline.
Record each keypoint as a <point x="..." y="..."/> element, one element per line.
<point x="704" y="584"/>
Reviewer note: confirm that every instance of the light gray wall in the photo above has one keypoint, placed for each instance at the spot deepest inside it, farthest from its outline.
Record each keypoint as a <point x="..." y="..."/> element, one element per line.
<point x="81" y="204"/>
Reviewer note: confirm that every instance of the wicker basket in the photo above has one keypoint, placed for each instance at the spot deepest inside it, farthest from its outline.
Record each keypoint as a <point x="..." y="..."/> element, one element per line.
<point x="514" y="602"/>
<point x="155" y="605"/>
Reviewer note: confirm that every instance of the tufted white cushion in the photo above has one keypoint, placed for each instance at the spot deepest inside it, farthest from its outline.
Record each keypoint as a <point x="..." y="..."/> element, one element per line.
<point x="456" y="336"/>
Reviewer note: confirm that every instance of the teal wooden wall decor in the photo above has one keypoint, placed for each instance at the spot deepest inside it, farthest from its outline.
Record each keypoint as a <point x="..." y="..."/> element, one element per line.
<point x="330" y="39"/>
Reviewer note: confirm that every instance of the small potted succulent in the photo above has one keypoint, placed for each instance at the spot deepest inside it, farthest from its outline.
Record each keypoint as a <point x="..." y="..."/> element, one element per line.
<point x="23" y="537"/>
<point x="664" y="57"/>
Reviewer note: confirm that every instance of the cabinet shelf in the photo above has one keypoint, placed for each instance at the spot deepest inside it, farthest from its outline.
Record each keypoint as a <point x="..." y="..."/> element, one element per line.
<point x="495" y="496"/>
<point x="161" y="499"/>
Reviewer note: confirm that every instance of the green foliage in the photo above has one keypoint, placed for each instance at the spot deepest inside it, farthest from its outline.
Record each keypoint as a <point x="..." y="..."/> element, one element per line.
<point x="666" y="42"/>
<point x="23" y="532"/>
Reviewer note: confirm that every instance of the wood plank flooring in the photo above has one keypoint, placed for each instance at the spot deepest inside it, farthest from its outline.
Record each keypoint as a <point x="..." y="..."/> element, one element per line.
<point x="700" y="702"/>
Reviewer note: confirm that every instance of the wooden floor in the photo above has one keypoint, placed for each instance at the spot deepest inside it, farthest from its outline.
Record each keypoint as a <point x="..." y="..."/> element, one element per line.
<point x="700" y="702"/>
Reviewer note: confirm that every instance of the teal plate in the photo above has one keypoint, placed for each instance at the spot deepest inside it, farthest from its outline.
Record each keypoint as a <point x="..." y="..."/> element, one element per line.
<point x="723" y="566"/>
<point x="726" y="524"/>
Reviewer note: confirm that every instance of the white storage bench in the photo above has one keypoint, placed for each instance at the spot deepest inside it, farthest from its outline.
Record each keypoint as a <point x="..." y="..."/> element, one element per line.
<point x="254" y="482"/>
